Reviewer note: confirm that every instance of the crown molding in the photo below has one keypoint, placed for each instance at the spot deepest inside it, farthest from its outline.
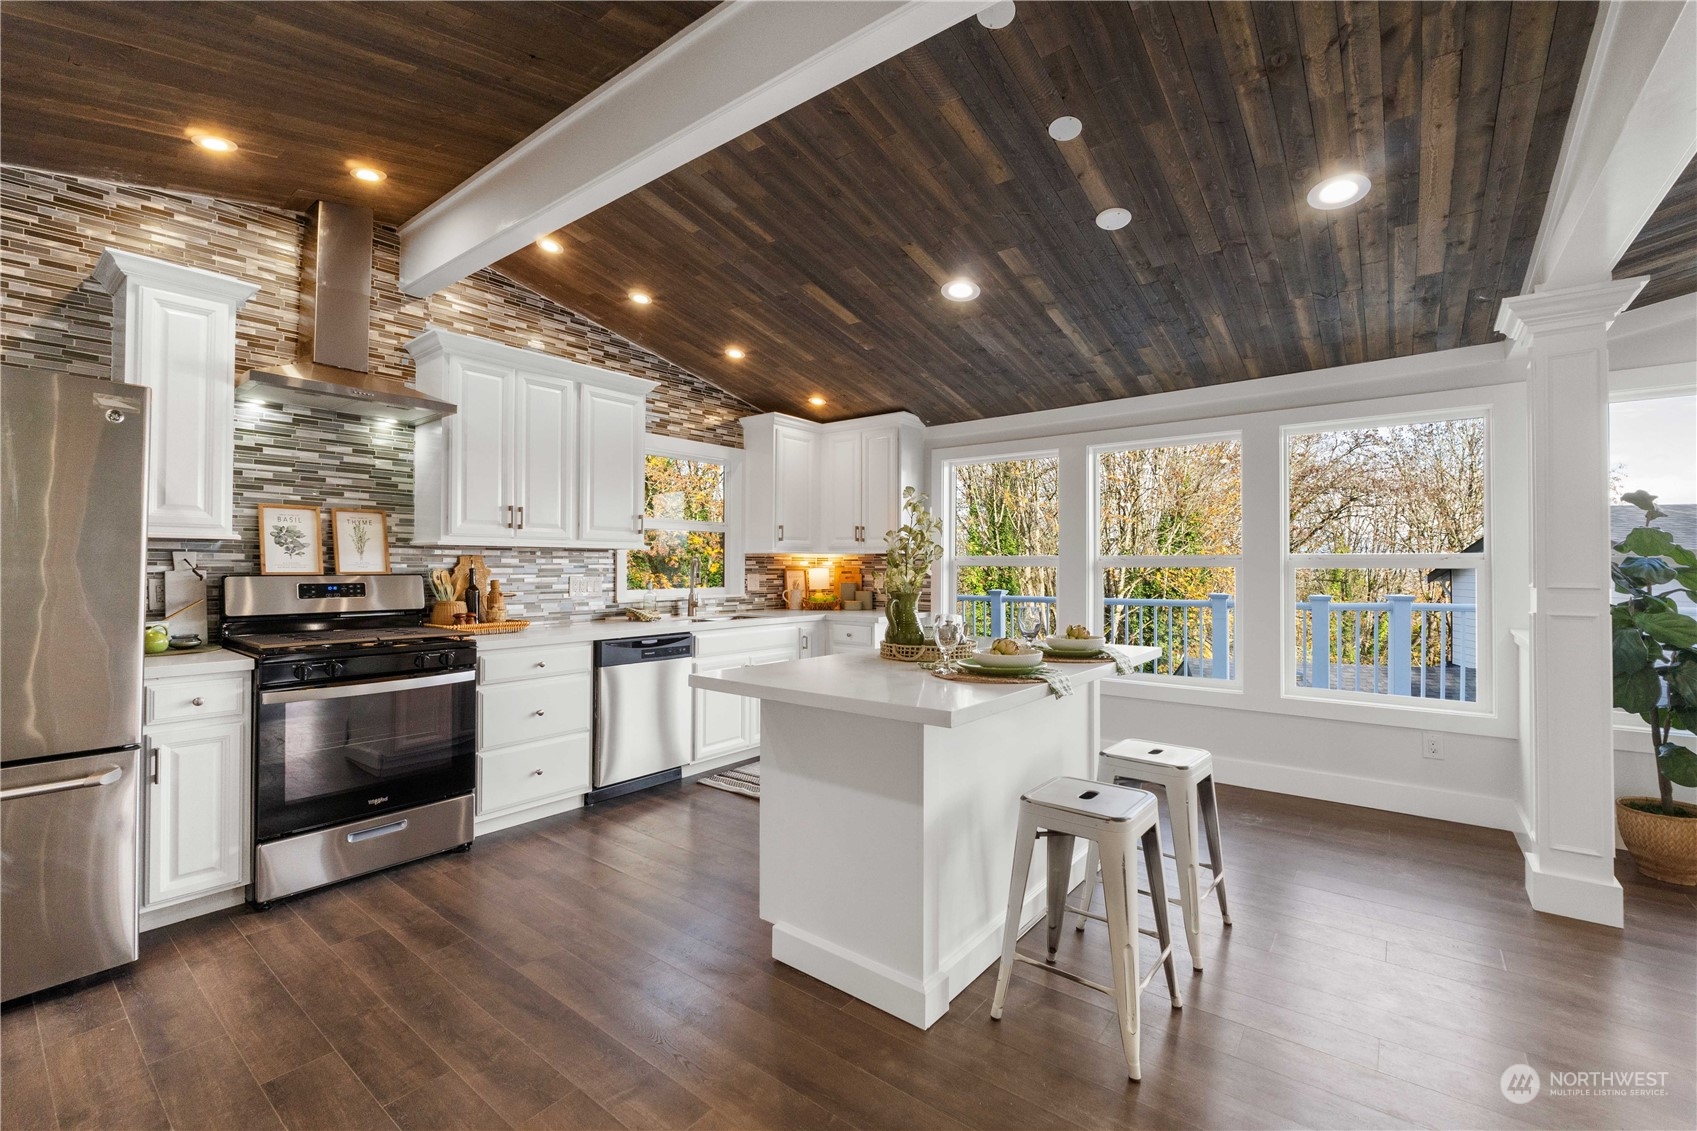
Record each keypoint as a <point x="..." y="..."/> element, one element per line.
<point x="117" y="270"/>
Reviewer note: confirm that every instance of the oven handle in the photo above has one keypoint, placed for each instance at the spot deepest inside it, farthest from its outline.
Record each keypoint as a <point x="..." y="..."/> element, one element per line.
<point x="370" y="687"/>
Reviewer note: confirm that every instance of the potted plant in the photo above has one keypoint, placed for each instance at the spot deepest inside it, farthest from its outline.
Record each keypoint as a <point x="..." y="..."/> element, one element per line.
<point x="910" y="552"/>
<point x="1655" y="677"/>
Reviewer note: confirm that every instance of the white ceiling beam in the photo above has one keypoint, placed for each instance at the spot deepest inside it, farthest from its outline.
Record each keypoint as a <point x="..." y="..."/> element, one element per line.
<point x="1632" y="132"/>
<point x="742" y="64"/>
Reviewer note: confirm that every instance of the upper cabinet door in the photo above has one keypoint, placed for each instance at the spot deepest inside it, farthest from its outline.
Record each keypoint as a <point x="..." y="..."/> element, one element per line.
<point x="794" y="497"/>
<point x="544" y="460"/>
<point x="841" y="492"/>
<point x="479" y="462"/>
<point x="610" y="516"/>
<point x="880" y="487"/>
<point x="174" y="330"/>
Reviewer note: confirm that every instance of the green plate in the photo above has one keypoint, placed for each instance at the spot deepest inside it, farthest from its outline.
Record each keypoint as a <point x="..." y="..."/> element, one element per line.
<point x="1002" y="673"/>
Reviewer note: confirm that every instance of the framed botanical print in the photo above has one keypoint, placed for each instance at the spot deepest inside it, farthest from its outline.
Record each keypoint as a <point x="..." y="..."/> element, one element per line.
<point x="289" y="540"/>
<point x="361" y="538"/>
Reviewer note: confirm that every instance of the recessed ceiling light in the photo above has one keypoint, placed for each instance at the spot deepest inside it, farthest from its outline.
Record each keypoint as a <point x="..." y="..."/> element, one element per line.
<point x="1112" y="219"/>
<point x="551" y="245"/>
<point x="215" y="144"/>
<point x="960" y="290"/>
<point x="997" y="16"/>
<point x="367" y="174"/>
<point x="641" y="298"/>
<point x="816" y="400"/>
<point x="1065" y="128"/>
<point x="736" y="353"/>
<point x="1340" y="191"/>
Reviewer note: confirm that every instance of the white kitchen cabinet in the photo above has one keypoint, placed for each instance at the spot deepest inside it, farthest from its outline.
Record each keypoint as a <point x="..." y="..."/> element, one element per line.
<point x="535" y="719"/>
<point x="198" y="789"/>
<point x="541" y="452"/>
<point x="174" y="331"/>
<point x="612" y="468"/>
<point x="722" y="724"/>
<point x="828" y="488"/>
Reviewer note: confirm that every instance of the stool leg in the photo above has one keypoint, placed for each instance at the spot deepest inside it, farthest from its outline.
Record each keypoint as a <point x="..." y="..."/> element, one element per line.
<point x="1122" y="948"/>
<point x="1210" y="806"/>
<point x="1060" y="871"/>
<point x="1181" y="811"/>
<point x="1092" y="864"/>
<point x="1016" y="905"/>
<point x="1158" y="896"/>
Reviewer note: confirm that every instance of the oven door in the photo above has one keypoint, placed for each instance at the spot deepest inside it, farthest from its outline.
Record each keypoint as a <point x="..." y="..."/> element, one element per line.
<point x="346" y="751"/>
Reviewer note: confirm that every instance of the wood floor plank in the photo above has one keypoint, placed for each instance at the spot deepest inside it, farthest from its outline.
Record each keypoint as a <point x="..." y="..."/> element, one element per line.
<point x="26" y="1101"/>
<point x="448" y="1103"/>
<point x="326" y="1094"/>
<point x="163" y="1001"/>
<point x="209" y="1088"/>
<point x="273" y="1033"/>
<point x="99" y="1079"/>
<point x="76" y="1008"/>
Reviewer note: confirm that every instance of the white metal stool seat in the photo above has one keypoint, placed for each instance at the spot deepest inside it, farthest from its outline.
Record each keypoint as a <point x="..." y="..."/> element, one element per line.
<point x="1114" y="819"/>
<point x="1185" y="775"/>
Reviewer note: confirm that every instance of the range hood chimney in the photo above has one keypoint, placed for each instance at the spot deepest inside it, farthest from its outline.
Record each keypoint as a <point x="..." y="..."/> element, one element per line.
<point x="333" y="370"/>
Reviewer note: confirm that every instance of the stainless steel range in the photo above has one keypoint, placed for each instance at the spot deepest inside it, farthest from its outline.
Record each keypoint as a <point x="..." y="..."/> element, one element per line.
<point x="364" y="726"/>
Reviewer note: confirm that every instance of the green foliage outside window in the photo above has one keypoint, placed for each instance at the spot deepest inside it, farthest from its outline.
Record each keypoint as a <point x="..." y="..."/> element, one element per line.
<point x="684" y="503"/>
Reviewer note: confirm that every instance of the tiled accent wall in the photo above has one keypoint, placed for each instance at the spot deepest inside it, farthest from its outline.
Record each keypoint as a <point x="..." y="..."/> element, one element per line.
<point x="53" y="316"/>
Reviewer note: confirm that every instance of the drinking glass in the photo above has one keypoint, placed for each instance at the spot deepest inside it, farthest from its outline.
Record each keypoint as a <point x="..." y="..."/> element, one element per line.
<point x="948" y="635"/>
<point x="1031" y="623"/>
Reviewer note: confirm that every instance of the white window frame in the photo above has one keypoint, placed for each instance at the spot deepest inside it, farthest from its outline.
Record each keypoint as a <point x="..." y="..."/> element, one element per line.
<point x="948" y="571"/>
<point x="1485" y="663"/>
<point x="1099" y="562"/>
<point x="731" y="459"/>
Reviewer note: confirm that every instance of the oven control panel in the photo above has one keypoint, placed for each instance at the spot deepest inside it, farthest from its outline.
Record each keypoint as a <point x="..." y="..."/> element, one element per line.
<point x="320" y="590"/>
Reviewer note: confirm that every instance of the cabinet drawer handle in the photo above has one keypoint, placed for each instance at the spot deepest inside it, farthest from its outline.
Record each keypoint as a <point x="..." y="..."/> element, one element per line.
<point x="153" y="756"/>
<point x="198" y="701"/>
<point x="521" y="518"/>
<point x="780" y="532"/>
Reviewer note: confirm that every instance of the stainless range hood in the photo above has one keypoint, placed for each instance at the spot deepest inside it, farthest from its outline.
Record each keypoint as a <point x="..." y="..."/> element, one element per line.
<point x="332" y="372"/>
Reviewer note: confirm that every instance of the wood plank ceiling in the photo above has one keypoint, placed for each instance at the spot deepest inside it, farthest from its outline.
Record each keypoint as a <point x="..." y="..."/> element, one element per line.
<point x="427" y="92"/>
<point x="1666" y="250"/>
<point x="819" y="241"/>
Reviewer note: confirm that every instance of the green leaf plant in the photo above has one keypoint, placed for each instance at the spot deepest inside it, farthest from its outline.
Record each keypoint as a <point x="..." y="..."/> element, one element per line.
<point x="1655" y="645"/>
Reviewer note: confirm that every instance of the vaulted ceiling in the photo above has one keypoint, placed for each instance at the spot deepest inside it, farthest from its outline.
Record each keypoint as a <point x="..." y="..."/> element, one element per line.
<point x="819" y="241"/>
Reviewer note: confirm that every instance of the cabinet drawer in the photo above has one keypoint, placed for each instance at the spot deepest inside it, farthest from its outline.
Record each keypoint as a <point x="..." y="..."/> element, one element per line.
<point x="532" y="709"/>
<point x="532" y="663"/>
<point x="195" y="698"/>
<point x="532" y="773"/>
<point x="852" y="635"/>
<point x="740" y="641"/>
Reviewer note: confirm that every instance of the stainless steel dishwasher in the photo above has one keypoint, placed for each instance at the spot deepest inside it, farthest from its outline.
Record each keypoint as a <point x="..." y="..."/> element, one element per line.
<point x="642" y="712"/>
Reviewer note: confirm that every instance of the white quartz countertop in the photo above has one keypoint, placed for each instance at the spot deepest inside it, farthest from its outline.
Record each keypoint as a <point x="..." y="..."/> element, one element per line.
<point x="211" y="661"/>
<point x="868" y="685"/>
<point x="574" y="632"/>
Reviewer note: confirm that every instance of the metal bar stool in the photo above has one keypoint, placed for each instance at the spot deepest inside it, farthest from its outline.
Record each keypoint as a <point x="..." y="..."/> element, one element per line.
<point x="1113" y="819"/>
<point x="1185" y="774"/>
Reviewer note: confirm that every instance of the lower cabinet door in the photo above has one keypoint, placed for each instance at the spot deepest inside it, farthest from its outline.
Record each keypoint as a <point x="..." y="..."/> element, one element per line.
<point x="721" y="722"/>
<point x="197" y="811"/>
<point x="751" y="707"/>
<point x="530" y="774"/>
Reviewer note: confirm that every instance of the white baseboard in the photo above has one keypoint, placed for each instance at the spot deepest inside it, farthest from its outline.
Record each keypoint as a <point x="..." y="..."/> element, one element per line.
<point x="1372" y="793"/>
<point x="724" y="761"/>
<point x="1595" y="901"/>
<point x="156" y="917"/>
<point x="498" y="821"/>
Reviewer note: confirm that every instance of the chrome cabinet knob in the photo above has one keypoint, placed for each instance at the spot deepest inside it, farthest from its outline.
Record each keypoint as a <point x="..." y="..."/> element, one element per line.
<point x="198" y="701"/>
<point x="539" y="712"/>
<point x="541" y="663"/>
<point x="536" y="773"/>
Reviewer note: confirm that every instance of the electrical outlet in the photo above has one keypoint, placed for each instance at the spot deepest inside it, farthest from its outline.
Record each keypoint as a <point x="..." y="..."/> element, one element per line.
<point x="1434" y="745"/>
<point x="155" y="593"/>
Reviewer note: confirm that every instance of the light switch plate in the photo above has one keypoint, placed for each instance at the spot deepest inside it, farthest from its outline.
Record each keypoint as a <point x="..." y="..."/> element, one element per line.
<point x="155" y="594"/>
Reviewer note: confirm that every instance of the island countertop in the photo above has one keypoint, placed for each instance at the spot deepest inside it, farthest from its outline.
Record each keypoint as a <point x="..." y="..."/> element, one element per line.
<point x="869" y="685"/>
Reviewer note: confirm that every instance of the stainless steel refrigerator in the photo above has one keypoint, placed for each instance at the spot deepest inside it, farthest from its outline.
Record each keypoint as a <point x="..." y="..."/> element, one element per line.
<point x="73" y="501"/>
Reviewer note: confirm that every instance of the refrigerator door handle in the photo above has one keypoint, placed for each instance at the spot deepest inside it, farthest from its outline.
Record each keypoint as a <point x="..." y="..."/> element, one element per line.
<point x="111" y="775"/>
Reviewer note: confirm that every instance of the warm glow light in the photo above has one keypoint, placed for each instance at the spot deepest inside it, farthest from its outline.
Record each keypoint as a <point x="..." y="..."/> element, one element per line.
<point x="215" y="144"/>
<point x="960" y="290"/>
<point x="551" y="245"/>
<point x="816" y="401"/>
<point x="367" y="174"/>
<point x="736" y="353"/>
<point x="1340" y="191"/>
<point x="819" y="577"/>
<point x="641" y="298"/>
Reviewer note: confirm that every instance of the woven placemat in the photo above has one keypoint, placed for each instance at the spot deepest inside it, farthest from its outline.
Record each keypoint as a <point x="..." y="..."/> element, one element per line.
<point x="969" y="677"/>
<point x="1096" y="658"/>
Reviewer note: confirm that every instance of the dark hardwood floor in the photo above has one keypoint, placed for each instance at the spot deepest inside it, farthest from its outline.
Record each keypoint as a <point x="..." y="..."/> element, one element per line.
<point x="609" y="969"/>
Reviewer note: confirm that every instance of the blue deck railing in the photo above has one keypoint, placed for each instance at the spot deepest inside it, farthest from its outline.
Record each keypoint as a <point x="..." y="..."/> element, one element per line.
<point x="1434" y="657"/>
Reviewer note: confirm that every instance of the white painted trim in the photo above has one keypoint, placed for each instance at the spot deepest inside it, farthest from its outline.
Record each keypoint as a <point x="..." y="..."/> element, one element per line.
<point x="117" y="269"/>
<point x="436" y="342"/>
<point x="153" y="918"/>
<point x="1653" y="381"/>
<point x="483" y="826"/>
<point x="736" y="557"/>
<point x="1480" y="809"/>
<point x="1556" y="894"/>
<point x="733" y="69"/>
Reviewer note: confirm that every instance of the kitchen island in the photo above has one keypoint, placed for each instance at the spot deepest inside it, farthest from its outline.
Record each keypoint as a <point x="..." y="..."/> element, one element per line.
<point x="889" y="800"/>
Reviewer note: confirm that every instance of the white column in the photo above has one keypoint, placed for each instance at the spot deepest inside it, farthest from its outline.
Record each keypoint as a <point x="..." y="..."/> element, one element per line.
<point x="1570" y="844"/>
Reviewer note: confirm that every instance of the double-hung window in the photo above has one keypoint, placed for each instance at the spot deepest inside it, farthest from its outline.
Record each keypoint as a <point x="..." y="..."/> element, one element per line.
<point x="1003" y="532"/>
<point x="1169" y="538"/>
<point x="687" y="494"/>
<point x="1388" y="560"/>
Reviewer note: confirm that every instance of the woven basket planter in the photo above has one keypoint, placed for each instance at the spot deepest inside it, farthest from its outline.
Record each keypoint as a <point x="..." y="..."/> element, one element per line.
<point x="1665" y="848"/>
<point x="922" y="653"/>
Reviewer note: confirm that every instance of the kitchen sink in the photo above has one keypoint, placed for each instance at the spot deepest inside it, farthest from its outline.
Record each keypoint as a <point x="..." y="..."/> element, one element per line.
<point x="731" y="616"/>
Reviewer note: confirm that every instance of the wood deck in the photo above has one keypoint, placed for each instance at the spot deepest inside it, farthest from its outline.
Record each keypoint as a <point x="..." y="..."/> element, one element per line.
<point x="609" y="969"/>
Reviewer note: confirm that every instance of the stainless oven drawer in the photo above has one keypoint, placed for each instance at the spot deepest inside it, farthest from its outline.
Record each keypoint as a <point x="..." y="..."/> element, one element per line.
<point x="311" y="860"/>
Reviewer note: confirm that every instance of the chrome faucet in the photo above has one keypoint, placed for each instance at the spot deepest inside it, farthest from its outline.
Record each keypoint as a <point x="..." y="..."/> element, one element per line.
<point x="694" y="604"/>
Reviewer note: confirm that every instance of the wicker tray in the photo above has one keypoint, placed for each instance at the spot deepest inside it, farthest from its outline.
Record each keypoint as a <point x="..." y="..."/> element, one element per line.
<point x="492" y="628"/>
<point x="922" y="653"/>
